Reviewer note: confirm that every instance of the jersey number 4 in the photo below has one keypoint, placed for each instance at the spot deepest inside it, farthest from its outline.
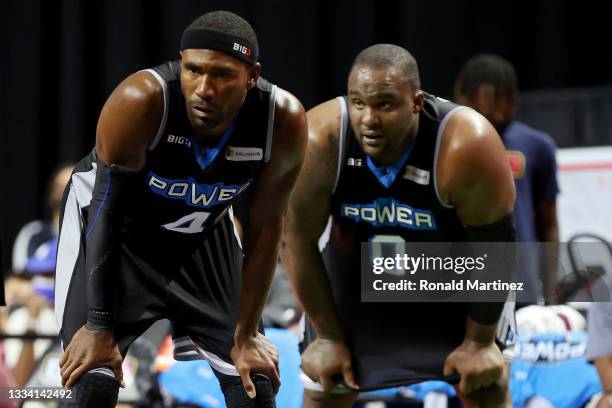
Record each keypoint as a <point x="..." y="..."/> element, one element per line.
<point x="189" y="224"/>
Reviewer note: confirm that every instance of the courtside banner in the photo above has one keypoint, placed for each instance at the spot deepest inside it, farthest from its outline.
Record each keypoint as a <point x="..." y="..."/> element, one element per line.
<point x="396" y="271"/>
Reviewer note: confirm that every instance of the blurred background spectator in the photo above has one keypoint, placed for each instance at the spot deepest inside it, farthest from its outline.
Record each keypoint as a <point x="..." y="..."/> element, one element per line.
<point x="489" y="84"/>
<point x="35" y="234"/>
<point x="30" y="305"/>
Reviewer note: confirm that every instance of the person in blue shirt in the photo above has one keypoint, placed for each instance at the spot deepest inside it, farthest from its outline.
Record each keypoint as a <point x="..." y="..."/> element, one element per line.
<point x="488" y="83"/>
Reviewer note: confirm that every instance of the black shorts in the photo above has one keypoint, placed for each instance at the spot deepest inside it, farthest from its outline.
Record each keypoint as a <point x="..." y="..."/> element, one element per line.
<point x="396" y="344"/>
<point x="193" y="284"/>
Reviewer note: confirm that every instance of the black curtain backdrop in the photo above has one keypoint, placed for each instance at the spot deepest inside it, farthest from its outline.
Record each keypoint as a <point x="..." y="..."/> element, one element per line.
<point x="60" y="60"/>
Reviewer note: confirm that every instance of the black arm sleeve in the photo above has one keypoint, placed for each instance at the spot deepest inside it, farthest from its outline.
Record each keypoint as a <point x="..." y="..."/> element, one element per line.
<point x="500" y="231"/>
<point x="100" y="245"/>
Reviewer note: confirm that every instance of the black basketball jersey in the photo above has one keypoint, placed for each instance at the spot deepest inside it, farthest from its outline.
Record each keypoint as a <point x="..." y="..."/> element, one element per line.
<point x="368" y="201"/>
<point x="186" y="188"/>
<point x="392" y="341"/>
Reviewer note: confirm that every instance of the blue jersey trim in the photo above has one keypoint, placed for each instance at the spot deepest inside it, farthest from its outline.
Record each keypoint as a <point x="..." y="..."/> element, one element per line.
<point x="204" y="156"/>
<point x="386" y="175"/>
<point x="93" y="223"/>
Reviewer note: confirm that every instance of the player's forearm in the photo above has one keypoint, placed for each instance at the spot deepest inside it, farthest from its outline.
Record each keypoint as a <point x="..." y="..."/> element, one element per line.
<point x="306" y="271"/>
<point x="260" y="260"/>
<point x="101" y="236"/>
<point x="100" y="265"/>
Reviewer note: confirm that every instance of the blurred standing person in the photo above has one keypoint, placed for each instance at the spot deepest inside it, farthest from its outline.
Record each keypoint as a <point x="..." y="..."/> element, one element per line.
<point x="35" y="233"/>
<point x="489" y="84"/>
<point x="32" y="313"/>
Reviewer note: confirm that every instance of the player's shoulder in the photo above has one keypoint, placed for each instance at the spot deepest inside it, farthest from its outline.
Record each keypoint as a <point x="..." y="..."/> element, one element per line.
<point x="289" y="114"/>
<point x="323" y="142"/>
<point x="324" y="126"/>
<point x="130" y="120"/>
<point x="139" y="98"/>
<point x="324" y="122"/>
<point x="141" y="88"/>
<point x="290" y="126"/>
<point x="287" y="104"/>
<point x="168" y="71"/>
<point x="467" y="129"/>
<point x="470" y="145"/>
<point x="327" y="113"/>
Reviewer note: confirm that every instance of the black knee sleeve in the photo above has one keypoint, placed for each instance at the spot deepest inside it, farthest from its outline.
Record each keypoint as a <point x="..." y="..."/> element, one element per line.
<point x="236" y="396"/>
<point x="94" y="390"/>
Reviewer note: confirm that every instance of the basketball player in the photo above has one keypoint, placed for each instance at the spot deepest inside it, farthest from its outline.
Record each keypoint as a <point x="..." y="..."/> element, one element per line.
<point x="389" y="144"/>
<point x="147" y="230"/>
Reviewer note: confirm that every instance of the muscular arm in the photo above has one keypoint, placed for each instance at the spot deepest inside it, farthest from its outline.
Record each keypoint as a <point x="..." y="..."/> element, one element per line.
<point x="267" y="210"/>
<point x="474" y="177"/>
<point x="309" y="209"/>
<point x="128" y="123"/>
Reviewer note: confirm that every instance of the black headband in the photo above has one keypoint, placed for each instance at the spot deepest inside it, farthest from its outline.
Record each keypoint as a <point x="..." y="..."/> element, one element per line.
<point x="215" y="40"/>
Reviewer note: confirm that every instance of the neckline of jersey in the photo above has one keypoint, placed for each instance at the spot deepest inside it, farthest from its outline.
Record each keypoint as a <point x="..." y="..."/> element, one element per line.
<point x="205" y="156"/>
<point x="386" y="175"/>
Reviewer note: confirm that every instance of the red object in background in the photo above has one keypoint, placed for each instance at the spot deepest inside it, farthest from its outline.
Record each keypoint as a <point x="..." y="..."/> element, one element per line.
<point x="517" y="163"/>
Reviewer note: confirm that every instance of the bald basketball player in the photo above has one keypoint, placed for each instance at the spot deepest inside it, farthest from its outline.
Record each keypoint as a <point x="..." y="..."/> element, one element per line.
<point x="385" y="145"/>
<point x="147" y="230"/>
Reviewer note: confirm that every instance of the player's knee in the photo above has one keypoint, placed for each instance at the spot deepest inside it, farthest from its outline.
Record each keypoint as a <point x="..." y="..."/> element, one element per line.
<point x="236" y="396"/>
<point x="319" y="399"/>
<point x="95" y="390"/>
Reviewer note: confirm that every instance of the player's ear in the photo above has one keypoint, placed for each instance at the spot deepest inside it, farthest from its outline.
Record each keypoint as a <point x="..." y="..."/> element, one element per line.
<point x="418" y="101"/>
<point x="253" y="75"/>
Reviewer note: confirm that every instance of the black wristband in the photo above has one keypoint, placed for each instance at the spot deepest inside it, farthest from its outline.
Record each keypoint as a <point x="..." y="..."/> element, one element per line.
<point x="502" y="230"/>
<point x="97" y="320"/>
<point x="97" y="327"/>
